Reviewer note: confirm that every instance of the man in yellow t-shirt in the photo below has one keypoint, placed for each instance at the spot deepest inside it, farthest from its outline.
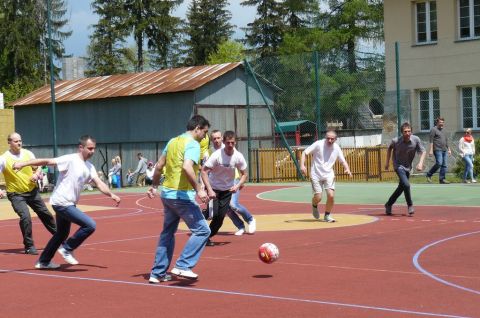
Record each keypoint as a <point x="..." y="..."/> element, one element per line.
<point x="22" y="191"/>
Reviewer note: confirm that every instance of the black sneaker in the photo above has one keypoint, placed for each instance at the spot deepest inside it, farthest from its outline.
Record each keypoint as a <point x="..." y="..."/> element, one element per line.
<point x="444" y="182"/>
<point x="31" y="251"/>
<point x="210" y="243"/>
<point x="388" y="209"/>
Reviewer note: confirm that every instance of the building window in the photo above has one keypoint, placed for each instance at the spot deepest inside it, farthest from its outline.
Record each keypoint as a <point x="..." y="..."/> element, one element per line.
<point x="469" y="19"/>
<point x="426" y="21"/>
<point x="470" y="100"/>
<point x="429" y="104"/>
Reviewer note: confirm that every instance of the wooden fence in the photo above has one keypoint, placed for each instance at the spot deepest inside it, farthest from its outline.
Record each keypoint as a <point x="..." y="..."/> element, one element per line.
<point x="275" y="165"/>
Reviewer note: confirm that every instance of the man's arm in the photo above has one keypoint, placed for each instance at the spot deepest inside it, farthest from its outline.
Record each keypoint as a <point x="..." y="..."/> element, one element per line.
<point x="34" y="162"/>
<point x="206" y="181"/>
<point x="389" y="155"/>
<point x="420" y="162"/>
<point x="156" y="176"/>
<point x="187" y="168"/>
<point x="302" y="163"/>
<point x="105" y="190"/>
<point x="241" y="182"/>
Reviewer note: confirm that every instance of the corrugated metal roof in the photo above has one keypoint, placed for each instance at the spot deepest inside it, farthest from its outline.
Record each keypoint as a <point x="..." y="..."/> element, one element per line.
<point x="145" y="83"/>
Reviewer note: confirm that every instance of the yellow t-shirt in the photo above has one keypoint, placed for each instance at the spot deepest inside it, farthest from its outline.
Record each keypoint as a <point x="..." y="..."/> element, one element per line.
<point x="204" y="147"/>
<point x="18" y="182"/>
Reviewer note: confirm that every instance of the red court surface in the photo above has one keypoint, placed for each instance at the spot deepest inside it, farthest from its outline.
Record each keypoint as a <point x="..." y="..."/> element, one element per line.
<point x="424" y="266"/>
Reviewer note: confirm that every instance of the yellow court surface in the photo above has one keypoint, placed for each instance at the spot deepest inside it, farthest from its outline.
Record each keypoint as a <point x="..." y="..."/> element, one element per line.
<point x="291" y="222"/>
<point x="6" y="211"/>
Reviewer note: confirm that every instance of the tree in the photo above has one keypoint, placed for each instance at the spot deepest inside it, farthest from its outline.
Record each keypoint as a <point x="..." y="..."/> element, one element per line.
<point x="106" y="54"/>
<point x="227" y="52"/>
<point x="208" y="26"/>
<point x="151" y="20"/>
<point x="265" y="33"/>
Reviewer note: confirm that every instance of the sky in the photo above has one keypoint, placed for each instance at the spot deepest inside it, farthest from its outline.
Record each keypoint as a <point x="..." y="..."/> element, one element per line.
<point x="82" y="18"/>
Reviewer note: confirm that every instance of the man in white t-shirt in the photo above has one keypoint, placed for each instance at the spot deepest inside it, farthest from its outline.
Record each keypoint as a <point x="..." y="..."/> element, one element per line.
<point x="218" y="175"/>
<point x="75" y="171"/>
<point x="325" y="153"/>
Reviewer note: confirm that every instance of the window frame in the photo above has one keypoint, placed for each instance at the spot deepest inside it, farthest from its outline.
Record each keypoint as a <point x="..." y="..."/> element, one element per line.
<point x="471" y="19"/>
<point x="428" y="22"/>
<point x="475" y="96"/>
<point x="431" y="111"/>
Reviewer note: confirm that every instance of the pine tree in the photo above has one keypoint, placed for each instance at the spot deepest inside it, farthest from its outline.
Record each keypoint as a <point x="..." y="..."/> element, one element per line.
<point x="150" y="20"/>
<point x="265" y="33"/>
<point x="208" y="26"/>
<point x="106" y="54"/>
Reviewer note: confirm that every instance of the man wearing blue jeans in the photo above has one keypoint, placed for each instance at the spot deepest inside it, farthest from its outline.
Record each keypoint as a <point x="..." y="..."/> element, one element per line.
<point x="402" y="150"/>
<point x="181" y="159"/>
<point x="237" y="208"/>
<point x="439" y="148"/>
<point x="75" y="171"/>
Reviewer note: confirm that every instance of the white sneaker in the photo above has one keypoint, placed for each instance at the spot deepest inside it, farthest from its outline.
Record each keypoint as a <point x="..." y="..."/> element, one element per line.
<point x="474" y="181"/>
<point x="252" y="226"/>
<point x="329" y="219"/>
<point x="240" y="232"/>
<point x="50" y="265"/>
<point x="155" y="280"/>
<point x="185" y="273"/>
<point x="67" y="256"/>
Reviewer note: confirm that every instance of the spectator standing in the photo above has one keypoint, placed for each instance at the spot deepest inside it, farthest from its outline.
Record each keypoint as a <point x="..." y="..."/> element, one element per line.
<point x="141" y="170"/>
<point x="440" y="149"/>
<point x="467" y="151"/>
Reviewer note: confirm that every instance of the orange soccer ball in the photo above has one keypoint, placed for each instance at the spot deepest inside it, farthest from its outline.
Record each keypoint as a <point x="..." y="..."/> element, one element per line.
<point x="268" y="253"/>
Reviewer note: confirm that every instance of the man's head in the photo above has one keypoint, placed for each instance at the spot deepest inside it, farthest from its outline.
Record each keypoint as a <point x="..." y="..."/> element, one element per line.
<point x="440" y="122"/>
<point x="15" y="142"/>
<point x="229" y="141"/>
<point x="86" y="146"/>
<point x="198" y="127"/>
<point x="139" y="155"/>
<point x="216" y="138"/>
<point x="406" y="130"/>
<point x="331" y="137"/>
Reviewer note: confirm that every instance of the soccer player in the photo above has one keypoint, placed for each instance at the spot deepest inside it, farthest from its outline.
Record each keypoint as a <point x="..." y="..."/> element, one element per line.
<point x="181" y="159"/>
<point x="75" y="171"/>
<point x="325" y="153"/>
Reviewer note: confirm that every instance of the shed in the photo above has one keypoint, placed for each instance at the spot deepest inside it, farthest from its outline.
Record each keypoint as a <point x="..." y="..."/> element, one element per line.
<point x="140" y="112"/>
<point x="297" y="133"/>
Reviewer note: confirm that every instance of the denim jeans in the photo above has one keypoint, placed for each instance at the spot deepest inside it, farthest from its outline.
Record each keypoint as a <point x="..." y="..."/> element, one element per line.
<point x="440" y="162"/>
<point x="236" y="207"/>
<point x="20" y="203"/>
<point x="65" y="216"/>
<point x="403" y="186"/>
<point x="468" y="167"/>
<point x="190" y="213"/>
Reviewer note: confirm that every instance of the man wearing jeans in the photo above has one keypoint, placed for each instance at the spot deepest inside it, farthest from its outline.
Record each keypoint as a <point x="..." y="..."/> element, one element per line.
<point x="181" y="159"/>
<point x="402" y="150"/>
<point x="439" y="147"/>
<point x="75" y="171"/>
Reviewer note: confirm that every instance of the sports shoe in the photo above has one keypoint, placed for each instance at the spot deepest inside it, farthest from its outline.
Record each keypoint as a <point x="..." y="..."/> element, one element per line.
<point x="411" y="210"/>
<point x="155" y="280"/>
<point x="474" y="181"/>
<point x="328" y="218"/>
<point x="388" y="209"/>
<point x="50" y="265"/>
<point x="240" y="232"/>
<point x="429" y="179"/>
<point x="252" y="226"/>
<point x="185" y="273"/>
<point x="67" y="256"/>
<point x="444" y="181"/>
<point x="315" y="212"/>
<point x="210" y="243"/>
<point x="31" y="250"/>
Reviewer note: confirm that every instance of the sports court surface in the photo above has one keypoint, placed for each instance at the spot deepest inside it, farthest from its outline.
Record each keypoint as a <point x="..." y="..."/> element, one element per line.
<point x="365" y="265"/>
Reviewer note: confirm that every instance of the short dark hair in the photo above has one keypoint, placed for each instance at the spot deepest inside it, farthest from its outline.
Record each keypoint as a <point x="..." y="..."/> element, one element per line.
<point x="405" y="125"/>
<point x="215" y="131"/>
<point x="197" y="121"/>
<point x="83" y="140"/>
<point x="228" y="135"/>
<point x="139" y="154"/>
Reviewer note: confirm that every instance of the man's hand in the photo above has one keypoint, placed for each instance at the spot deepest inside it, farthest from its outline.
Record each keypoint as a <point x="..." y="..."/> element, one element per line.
<point x="419" y="167"/>
<point x="202" y="195"/>
<point x="304" y="170"/>
<point x="116" y="199"/>
<point x="347" y="171"/>
<point x="151" y="192"/>
<point x="17" y="166"/>
<point x="2" y="194"/>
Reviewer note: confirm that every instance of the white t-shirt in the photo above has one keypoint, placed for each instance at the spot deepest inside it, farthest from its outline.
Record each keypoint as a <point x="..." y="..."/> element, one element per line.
<point x="223" y="168"/>
<point x="74" y="174"/>
<point x="324" y="157"/>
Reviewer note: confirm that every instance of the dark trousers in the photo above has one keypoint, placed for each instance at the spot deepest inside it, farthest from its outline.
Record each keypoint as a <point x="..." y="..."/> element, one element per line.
<point x="66" y="215"/>
<point x="403" y="186"/>
<point x="221" y="204"/>
<point x="20" y="203"/>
